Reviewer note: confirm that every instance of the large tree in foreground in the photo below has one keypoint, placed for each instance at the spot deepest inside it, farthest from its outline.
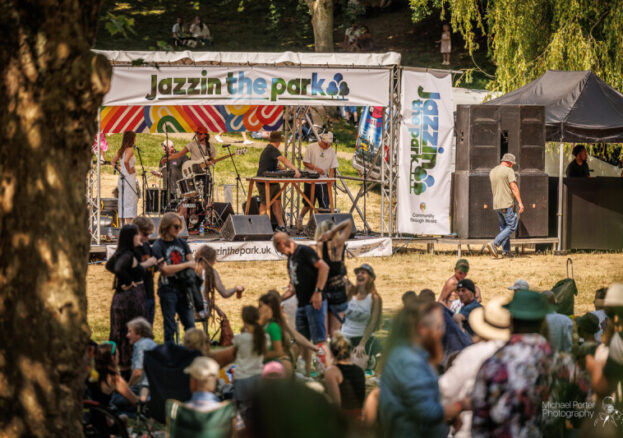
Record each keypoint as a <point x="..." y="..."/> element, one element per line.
<point x="527" y="37"/>
<point x="321" y="12"/>
<point x="51" y="86"/>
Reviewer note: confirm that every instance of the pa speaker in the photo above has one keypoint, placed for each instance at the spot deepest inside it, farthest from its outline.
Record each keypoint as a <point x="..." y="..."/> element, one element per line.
<point x="157" y="219"/>
<point x="473" y="216"/>
<point x="247" y="227"/>
<point x="336" y="218"/>
<point x="533" y="187"/>
<point x="223" y="210"/>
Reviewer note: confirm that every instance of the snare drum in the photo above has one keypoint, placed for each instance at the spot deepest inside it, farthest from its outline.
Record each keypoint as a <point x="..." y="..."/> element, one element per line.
<point x="186" y="187"/>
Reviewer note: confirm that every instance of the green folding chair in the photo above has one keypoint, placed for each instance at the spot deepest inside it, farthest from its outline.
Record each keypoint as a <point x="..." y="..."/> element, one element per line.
<point x="186" y="422"/>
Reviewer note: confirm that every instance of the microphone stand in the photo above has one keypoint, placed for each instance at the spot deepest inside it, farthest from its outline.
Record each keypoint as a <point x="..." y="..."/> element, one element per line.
<point x="207" y="197"/>
<point x="143" y="177"/>
<point x="168" y="176"/>
<point x="239" y="184"/>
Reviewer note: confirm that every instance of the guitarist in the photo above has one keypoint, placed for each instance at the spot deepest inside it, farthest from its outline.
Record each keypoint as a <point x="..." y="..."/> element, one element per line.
<point x="201" y="150"/>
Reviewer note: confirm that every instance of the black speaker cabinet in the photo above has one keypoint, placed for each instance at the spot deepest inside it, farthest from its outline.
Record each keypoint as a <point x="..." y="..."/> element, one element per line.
<point x="223" y="210"/>
<point x="484" y="133"/>
<point x="157" y="219"/>
<point x="243" y="227"/>
<point x="336" y="218"/>
<point x="473" y="216"/>
<point x="533" y="187"/>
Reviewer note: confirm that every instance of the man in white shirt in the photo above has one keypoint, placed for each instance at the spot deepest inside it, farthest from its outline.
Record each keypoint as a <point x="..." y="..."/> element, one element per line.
<point x="322" y="158"/>
<point x="599" y="312"/>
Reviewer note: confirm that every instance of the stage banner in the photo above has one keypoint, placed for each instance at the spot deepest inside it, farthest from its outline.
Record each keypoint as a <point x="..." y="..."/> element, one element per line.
<point x="369" y="140"/>
<point x="265" y="251"/>
<point x="187" y="118"/>
<point x="425" y="164"/>
<point x="207" y="85"/>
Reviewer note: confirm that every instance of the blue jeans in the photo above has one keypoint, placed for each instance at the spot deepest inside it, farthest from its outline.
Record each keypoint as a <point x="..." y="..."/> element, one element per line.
<point x="150" y="310"/>
<point x="508" y="220"/>
<point x="311" y="322"/>
<point x="171" y="302"/>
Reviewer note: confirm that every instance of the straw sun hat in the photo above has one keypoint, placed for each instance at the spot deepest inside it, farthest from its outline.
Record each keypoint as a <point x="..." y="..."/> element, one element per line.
<point x="493" y="321"/>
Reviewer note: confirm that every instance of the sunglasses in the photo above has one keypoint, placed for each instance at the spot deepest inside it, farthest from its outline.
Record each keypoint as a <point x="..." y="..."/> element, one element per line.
<point x="114" y="346"/>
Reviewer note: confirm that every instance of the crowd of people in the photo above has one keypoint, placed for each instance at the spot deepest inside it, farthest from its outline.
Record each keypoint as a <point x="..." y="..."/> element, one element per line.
<point x="450" y="366"/>
<point x="197" y="34"/>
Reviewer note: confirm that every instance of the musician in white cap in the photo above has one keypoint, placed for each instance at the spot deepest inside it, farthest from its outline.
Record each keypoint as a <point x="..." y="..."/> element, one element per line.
<point x="322" y="158"/>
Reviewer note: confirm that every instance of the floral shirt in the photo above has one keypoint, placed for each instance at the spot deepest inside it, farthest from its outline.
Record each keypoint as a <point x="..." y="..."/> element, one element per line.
<point x="514" y="386"/>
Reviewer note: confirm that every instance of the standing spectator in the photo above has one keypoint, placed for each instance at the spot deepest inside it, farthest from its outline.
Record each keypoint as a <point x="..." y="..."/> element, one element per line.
<point x="578" y="168"/>
<point x="128" y="302"/>
<point x="176" y="256"/>
<point x="345" y="382"/>
<point x="491" y="324"/>
<point x="319" y="157"/>
<point x="599" y="312"/>
<point x="560" y="326"/>
<point x="363" y="314"/>
<point x="126" y="184"/>
<point x="467" y="294"/>
<point x="178" y="33"/>
<point x="410" y="401"/>
<point x="512" y="385"/>
<point x="446" y="44"/>
<point x="200" y="32"/>
<point x="331" y="247"/>
<point x="504" y="187"/>
<point x="203" y="377"/>
<point x="350" y="37"/>
<point x="250" y="346"/>
<point x="461" y="268"/>
<point x="308" y="277"/>
<point x="146" y="227"/>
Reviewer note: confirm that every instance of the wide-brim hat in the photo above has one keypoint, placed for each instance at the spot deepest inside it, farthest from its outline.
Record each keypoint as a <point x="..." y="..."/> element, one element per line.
<point x="614" y="295"/>
<point x="493" y="321"/>
<point x="528" y="305"/>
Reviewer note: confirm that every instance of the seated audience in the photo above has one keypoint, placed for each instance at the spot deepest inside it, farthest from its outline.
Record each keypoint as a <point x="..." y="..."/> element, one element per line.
<point x="491" y="324"/>
<point x="196" y="339"/>
<point x="520" y="284"/>
<point x="142" y="340"/>
<point x="364" y="42"/>
<point x="203" y="373"/>
<point x="410" y="402"/>
<point x="178" y="33"/>
<point x="461" y="268"/>
<point x="350" y="37"/>
<point x="467" y="294"/>
<point x="411" y="297"/>
<point x="599" y="312"/>
<point x="108" y="379"/>
<point x="200" y="33"/>
<point x="345" y="382"/>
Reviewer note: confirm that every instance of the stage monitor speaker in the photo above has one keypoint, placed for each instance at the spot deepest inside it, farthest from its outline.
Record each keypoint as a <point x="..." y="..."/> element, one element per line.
<point x="247" y="227"/>
<point x="533" y="187"/>
<point x="473" y="216"/>
<point x="336" y="218"/>
<point x="157" y="219"/>
<point x="223" y="210"/>
<point x="484" y="133"/>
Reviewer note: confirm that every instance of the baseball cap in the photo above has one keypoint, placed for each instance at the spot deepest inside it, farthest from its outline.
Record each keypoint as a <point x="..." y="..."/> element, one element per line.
<point x="462" y="265"/>
<point x="202" y="368"/>
<point x="366" y="267"/>
<point x="167" y="143"/>
<point x="327" y="137"/>
<point x="275" y="136"/>
<point x="509" y="157"/>
<point x="520" y="284"/>
<point x="467" y="284"/>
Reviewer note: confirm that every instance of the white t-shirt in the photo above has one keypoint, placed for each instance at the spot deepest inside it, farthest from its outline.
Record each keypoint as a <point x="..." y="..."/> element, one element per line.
<point x="248" y="364"/>
<point x="603" y="321"/>
<point x="357" y="316"/>
<point x="195" y="153"/>
<point x="325" y="159"/>
<point x="177" y="29"/>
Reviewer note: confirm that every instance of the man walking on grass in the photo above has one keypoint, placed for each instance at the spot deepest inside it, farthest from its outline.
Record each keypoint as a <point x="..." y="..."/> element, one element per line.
<point x="504" y="188"/>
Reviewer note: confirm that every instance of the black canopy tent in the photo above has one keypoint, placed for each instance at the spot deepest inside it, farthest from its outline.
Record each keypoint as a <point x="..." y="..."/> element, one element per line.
<point x="579" y="108"/>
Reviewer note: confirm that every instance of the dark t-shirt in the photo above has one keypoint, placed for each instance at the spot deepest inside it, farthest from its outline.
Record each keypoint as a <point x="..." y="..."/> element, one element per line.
<point x="268" y="160"/>
<point x="303" y="274"/>
<point x="175" y="171"/>
<point x="144" y="252"/>
<point x="174" y="252"/>
<point x="465" y="311"/>
<point x="574" y="170"/>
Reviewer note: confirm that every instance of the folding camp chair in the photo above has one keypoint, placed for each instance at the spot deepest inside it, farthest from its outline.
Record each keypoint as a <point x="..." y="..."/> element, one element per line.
<point x="186" y="422"/>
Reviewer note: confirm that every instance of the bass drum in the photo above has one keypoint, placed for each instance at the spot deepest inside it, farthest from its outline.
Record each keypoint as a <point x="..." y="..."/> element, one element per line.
<point x="186" y="188"/>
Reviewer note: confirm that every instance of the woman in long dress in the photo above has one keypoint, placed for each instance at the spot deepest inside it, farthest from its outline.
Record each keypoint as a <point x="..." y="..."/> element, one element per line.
<point x="127" y="200"/>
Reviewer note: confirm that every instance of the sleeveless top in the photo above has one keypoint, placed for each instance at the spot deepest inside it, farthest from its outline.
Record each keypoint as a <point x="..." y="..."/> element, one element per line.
<point x="357" y="316"/>
<point x="335" y="289"/>
<point x="353" y="386"/>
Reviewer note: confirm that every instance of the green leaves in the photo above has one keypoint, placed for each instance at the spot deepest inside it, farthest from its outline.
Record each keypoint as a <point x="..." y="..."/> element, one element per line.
<point x="119" y="24"/>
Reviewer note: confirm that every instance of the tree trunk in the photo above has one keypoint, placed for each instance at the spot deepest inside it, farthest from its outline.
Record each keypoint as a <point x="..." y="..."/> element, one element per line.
<point x="322" y="21"/>
<point x="51" y="86"/>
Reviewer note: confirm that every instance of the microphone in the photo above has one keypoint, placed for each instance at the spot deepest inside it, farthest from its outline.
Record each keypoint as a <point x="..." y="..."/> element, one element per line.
<point x="137" y="148"/>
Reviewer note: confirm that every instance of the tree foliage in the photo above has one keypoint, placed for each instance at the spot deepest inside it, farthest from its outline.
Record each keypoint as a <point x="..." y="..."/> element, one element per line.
<point x="525" y="38"/>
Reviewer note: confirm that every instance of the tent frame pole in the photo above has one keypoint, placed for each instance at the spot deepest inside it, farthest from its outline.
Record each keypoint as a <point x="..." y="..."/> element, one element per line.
<point x="98" y="229"/>
<point x="560" y="182"/>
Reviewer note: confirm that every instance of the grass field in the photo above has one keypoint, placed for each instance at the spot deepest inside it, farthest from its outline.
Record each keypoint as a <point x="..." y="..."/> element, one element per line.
<point x="395" y="275"/>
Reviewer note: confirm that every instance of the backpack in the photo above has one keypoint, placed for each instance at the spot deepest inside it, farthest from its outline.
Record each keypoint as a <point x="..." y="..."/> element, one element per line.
<point x="565" y="291"/>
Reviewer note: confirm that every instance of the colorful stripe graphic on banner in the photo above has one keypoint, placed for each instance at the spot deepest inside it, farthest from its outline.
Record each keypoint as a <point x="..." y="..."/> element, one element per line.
<point x="187" y="118"/>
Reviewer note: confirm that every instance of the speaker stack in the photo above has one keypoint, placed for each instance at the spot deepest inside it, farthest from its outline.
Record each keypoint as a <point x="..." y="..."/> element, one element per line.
<point x="484" y="133"/>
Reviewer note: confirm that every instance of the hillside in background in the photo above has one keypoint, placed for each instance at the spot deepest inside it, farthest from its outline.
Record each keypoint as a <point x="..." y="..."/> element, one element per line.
<point x="284" y="25"/>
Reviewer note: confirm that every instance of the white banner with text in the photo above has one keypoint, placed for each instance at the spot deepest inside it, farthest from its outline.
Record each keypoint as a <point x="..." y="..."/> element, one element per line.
<point x="207" y="85"/>
<point x="425" y="162"/>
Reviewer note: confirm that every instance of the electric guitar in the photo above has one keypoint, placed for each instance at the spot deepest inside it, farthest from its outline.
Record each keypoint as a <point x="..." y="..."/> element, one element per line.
<point x="197" y="167"/>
